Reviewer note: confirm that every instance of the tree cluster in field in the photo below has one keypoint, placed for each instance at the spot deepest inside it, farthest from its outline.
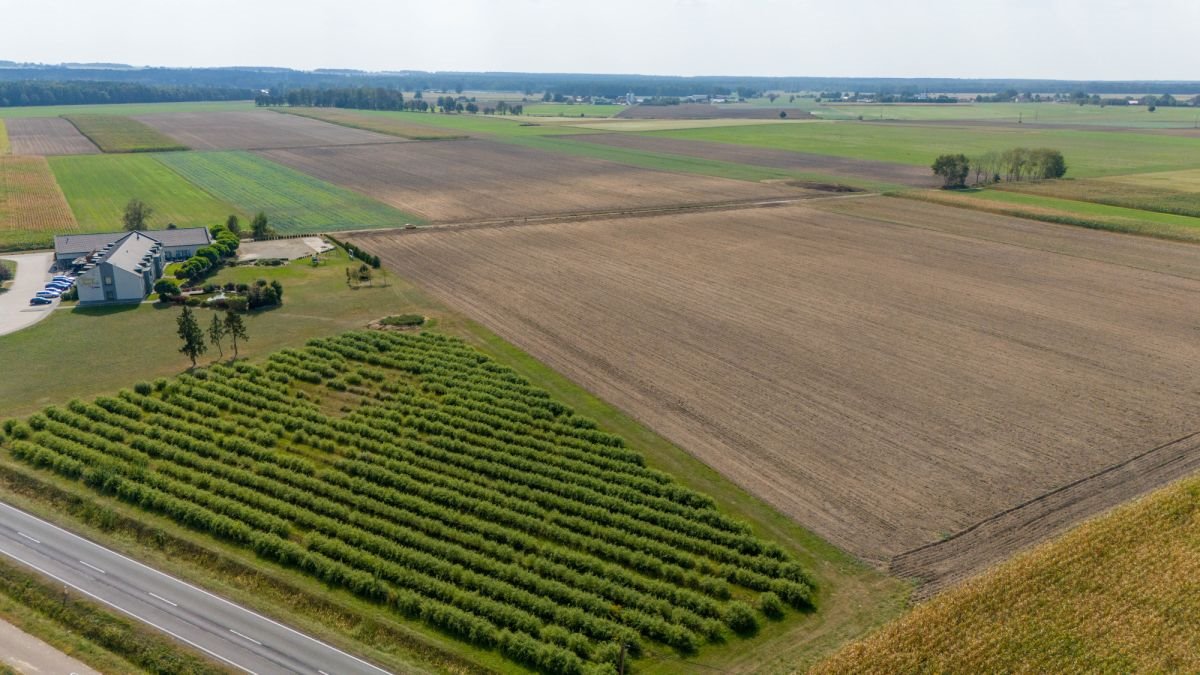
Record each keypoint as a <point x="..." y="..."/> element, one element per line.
<point x="1013" y="165"/>
<point x="27" y="93"/>
<point x="454" y="493"/>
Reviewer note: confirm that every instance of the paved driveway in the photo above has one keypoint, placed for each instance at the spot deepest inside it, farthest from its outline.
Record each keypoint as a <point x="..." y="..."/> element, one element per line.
<point x="33" y="271"/>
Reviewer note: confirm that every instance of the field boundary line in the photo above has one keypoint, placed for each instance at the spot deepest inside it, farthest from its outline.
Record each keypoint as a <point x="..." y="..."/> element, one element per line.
<point x="896" y="565"/>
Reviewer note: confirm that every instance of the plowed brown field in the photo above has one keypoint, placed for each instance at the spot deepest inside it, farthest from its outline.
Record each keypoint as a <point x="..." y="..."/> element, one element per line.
<point x="885" y="384"/>
<point x="478" y="179"/>
<point x="47" y="136"/>
<point x="256" y="129"/>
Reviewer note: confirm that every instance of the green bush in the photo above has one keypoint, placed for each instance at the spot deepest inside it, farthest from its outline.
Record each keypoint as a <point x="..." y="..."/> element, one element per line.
<point x="741" y="618"/>
<point x="770" y="605"/>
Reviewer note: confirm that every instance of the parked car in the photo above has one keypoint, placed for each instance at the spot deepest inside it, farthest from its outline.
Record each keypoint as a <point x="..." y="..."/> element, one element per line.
<point x="48" y="294"/>
<point x="40" y="301"/>
<point x="62" y="277"/>
<point x="59" y="285"/>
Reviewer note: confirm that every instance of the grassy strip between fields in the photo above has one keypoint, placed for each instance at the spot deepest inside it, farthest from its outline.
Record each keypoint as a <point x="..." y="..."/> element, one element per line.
<point x="85" y="630"/>
<point x="1115" y="595"/>
<point x="5" y="148"/>
<point x="392" y="126"/>
<point x="1066" y="212"/>
<point x="115" y="133"/>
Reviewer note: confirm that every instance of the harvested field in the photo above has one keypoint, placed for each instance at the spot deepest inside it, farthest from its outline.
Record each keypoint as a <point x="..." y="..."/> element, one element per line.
<point x="47" y="136"/>
<point x="32" y="208"/>
<point x="391" y="125"/>
<point x="256" y="129"/>
<point x="114" y="133"/>
<point x="477" y="179"/>
<point x="885" y="385"/>
<point x="705" y="111"/>
<point x="866" y="169"/>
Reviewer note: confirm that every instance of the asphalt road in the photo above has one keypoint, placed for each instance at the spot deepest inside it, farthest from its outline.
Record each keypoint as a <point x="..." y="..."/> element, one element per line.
<point x="224" y="631"/>
<point x="33" y="271"/>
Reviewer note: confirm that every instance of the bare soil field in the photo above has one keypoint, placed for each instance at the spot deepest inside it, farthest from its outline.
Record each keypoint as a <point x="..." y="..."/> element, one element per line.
<point x="479" y="179"/>
<point x="886" y="385"/>
<point x="884" y="172"/>
<point x="705" y="111"/>
<point x="256" y="129"/>
<point x="47" y="136"/>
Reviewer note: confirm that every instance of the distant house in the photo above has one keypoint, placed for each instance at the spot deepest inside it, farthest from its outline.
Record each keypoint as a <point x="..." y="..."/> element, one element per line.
<point x="179" y="244"/>
<point x="122" y="271"/>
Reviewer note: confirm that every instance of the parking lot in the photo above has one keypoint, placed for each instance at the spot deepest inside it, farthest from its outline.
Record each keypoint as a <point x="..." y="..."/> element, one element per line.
<point x="33" y="271"/>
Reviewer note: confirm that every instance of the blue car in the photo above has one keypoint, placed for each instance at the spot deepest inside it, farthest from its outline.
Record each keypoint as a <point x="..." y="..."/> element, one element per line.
<point x="40" y="301"/>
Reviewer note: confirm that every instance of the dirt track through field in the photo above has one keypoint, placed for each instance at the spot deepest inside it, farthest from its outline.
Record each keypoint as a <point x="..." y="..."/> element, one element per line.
<point x="706" y="111"/>
<point x="479" y="179"/>
<point x="256" y="129"/>
<point x="865" y="169"/>
<point x="886" y="385"/>
<point x="47" y="136"/>
<point x="942" y="564"/>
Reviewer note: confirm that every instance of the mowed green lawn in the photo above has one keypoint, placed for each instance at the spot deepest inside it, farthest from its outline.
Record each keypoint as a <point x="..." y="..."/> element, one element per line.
<point x="1088" y="153"/>
<point x="295" y="203"/>
<point x="116" y="133"/>
<point x="99" y="186"/>
<point x="125" y="108"/>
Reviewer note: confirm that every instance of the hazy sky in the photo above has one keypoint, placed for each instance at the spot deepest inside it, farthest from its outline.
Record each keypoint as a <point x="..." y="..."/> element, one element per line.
<point x="1074" y="39"/>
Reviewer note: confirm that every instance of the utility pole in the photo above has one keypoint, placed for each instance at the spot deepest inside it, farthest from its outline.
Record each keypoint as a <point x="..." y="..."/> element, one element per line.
<point x="621" y="660"/>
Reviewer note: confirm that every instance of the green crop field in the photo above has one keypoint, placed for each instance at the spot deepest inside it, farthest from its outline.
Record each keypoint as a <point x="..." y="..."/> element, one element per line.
<point x="660" y="161"/>
<point x="445" y="487"/>
<point x="98" y="186"/>
<point x="124" y="108"/>
<point x="294" y="202"/>
<point x="1068" y="212"/>
<point x="572" y="110"/>
<point x="115" y="133"/>
<point x="1115" y="192"/>
<point x="1036" y="113"/>
<point x="1088" y="153"/>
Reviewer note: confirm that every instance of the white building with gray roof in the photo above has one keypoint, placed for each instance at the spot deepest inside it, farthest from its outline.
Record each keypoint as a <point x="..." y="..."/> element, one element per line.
<point x="178" y="244"/>
<point x="122" y="271"/>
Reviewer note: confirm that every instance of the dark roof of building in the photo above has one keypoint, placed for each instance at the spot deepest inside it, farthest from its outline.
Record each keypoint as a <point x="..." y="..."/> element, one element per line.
<point x="79" y="244"/>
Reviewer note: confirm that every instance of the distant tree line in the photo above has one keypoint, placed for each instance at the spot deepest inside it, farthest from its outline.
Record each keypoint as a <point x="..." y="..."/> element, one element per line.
<point x="77" y="93"/>
<point x="1013" y="165"/>
<point x="260" y="78"/>
<point x="377" y="98"/>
